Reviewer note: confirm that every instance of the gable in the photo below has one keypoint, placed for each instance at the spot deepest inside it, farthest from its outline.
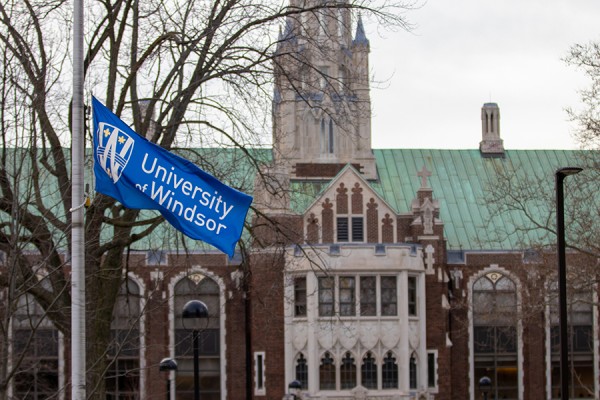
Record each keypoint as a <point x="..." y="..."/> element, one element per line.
<point x="349" y="210"/>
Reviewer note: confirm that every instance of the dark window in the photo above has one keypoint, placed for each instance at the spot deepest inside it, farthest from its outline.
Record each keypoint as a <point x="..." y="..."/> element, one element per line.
<point x="412" y="372"/>
<point x="342" y="229"/>
<point x="357" y="229"/>
<point x="302" y="371"/>
<point x="369" y="372"/>
<point x="368" y="296"/>
<point x="300" y="297"/>
<point x="331" y="137"/>
<point x="348" y="372"/>
<point x="389" y="297"/>
<point x="260" y="382"/>
<point x="37" y="373"/>
<point x="203" y="288"/>
<point x="389" y="372"/>
<point x="123" y="374"/>
<point x="412" y="295"/>
<point x="580" y="333"/>
<point x="327" y="373"/>
<point x="326" y="296"/>
<point x="34" y="350"/>
<point x="431" y="370"/>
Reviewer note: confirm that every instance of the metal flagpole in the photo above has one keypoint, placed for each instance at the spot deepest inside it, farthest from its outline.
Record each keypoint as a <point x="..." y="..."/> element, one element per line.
<point x="78" y="364"/>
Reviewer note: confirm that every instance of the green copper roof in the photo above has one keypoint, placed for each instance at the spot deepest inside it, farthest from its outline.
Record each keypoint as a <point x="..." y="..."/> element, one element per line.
<point x="460" y="180"/>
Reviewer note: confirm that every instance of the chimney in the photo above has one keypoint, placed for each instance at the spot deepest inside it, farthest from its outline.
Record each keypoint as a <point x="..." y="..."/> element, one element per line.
<point x="491" y="145"/>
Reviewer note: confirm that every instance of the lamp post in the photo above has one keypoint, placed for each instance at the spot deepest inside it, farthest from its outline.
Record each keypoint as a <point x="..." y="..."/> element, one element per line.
<point x="166" y="366"/>
<point x="485" y="384"/>
<point x="561" y="174"/>
<point x="195" y="310"/>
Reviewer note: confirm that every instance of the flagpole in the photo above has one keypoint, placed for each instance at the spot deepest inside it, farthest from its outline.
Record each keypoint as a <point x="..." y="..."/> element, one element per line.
<point x="78" y="362"/>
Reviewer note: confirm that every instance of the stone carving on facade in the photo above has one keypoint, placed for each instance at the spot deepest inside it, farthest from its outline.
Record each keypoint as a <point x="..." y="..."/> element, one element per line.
<point x="348" y="336"/>
<point x="300" y="336"/>
<point x="390" y="334"/>
<point x="369" y="334"/>
<point x="414" y="338"/>
<point x="328" y="335"/>
<point x="359" y="393"/>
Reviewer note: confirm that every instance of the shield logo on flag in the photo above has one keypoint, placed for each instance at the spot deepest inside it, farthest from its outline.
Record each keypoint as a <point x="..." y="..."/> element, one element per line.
<point x="114" y="149"/>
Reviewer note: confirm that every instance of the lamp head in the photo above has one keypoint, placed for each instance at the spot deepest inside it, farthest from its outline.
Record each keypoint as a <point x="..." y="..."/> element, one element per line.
<point x="485" y="384"/>
<point x="167" y="364"/>
<point x="194" y="311"/>
<point x="295" y="386"/>
<point x="566" y="171"/>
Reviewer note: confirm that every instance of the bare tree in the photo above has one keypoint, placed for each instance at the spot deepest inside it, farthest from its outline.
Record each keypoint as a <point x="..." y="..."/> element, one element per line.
<point x="185" y="73"/>
<point x="586" y="57"/>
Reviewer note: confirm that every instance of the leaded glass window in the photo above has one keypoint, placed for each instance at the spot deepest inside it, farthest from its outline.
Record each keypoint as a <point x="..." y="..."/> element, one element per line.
<point x="326" y="296"/>
<point x="389" y="372"/>
<point x="348" y="372"/>
<point x="347" y="296"/>
<point x="495" y="338"/>
<point x="412" y="372"/>
<point x="203" y="288"/>
<point x="302" y="371"/>
<point x="368" y="296"/>
<point x="369" y="372"/>
<point x="389" y="296"/>
<point x="327" y="372"/>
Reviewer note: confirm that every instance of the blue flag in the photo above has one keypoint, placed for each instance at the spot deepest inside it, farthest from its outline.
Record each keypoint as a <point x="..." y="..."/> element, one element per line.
<point x="143" y="175"/>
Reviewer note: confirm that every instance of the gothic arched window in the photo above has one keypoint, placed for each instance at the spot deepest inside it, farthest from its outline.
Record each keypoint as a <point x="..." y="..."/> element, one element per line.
<point x="302" y="371"/>
<point x="368" y="371"/>
<point x="327" y="372"/>
<point x="389" y="372"/>
<point x="495" y="334"/>
<point x="348" y="372"/>
<point x="412" y="372"/>
<point x="203" y="288"/>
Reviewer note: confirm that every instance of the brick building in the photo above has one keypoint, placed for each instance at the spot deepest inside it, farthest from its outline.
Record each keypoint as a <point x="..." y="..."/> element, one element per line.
<point x="372" y="274"/>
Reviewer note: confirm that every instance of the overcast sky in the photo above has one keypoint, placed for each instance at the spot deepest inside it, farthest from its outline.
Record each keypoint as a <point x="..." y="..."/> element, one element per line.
<point x="463" y="53"/>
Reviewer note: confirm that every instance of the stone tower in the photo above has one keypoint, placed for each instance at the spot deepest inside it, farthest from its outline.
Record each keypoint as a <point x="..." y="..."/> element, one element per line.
<point x="321" y="102"/>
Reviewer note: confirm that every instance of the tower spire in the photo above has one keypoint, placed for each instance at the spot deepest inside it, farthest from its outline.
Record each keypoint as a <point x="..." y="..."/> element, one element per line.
<point x="360" y="38"/>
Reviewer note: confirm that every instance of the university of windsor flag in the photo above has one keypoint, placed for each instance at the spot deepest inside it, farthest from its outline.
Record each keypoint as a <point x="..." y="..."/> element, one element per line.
<point x="143" y="175"/>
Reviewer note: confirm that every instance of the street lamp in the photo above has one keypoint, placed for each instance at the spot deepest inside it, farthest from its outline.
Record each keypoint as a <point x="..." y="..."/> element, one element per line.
<point x="166" y="366"/>
<point x="561" y="174"/>
<point x="195" y="311"/>
<point x="485" y="384"/>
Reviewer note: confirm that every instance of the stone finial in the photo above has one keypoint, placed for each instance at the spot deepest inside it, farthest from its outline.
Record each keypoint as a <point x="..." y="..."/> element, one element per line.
<point x="424" y="174"/>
